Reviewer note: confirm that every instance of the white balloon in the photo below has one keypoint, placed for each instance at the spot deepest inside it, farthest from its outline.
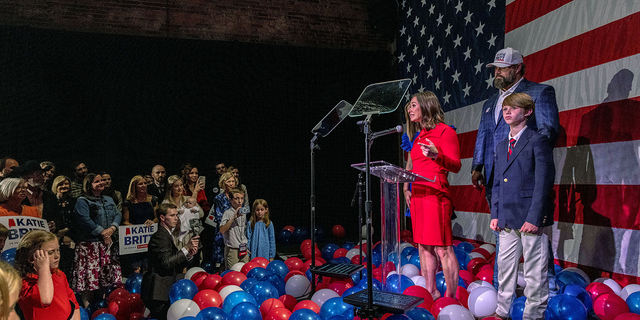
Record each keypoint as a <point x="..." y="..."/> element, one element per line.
<point x="456" y="312"/>
<point x="228" y="289"/>
<point x="477" y="284"/>
<point x="611" y="284"/>
<point x="476" y="255"/>
<point x="628" y="290"/>
<point x="237" y="267"/>
<point x="489" y="247"/>
<point x="521" y="281"/>
<point x="182" y="308"/>
<point x="297" y="286"/>
<point x="483" y="301"/>
<point x="580" y="272"/>
<point x="354" y="252"/>
<point x="410" y="270"/>
<point x="405" y="245"/>
<point x="147" y="312"/>
<point x="364" y="232"/>
<point x="419" y="281"/>
<point x="192" y="271"/>
<point x="390" y="273"/>
<point x="322" y="296"/>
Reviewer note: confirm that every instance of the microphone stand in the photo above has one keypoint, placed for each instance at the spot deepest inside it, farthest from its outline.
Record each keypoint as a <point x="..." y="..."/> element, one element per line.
<point x="314" y="146"/>
<point x="358" y="194"/>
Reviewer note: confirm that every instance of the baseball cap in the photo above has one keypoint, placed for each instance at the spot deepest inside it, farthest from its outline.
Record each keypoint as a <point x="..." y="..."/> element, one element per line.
<point x="506" y="57"/>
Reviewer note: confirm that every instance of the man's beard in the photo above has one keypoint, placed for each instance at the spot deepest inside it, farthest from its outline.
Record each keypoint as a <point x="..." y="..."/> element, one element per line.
<point x="501" y="83"/>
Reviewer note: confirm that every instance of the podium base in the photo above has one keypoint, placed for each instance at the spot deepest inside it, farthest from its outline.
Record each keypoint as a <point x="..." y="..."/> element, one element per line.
<point x="383" y="302"/>
<point x="335" y="270"/>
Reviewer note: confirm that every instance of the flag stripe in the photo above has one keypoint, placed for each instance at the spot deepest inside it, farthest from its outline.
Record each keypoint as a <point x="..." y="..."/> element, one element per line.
<point x="586" y="50"/>
<point x="569" y="21"/>
<point x="522" y="12"/>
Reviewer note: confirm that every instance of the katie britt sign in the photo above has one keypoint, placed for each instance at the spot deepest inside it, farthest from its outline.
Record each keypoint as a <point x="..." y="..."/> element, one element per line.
<point x="135" y="238"/>
<point x="19" y="226"/>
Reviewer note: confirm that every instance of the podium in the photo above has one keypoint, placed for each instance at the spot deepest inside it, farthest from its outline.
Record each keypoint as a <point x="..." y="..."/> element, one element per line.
<point x="391" y="210"/>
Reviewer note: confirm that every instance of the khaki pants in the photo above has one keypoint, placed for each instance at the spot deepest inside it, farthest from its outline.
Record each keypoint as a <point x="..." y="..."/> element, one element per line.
<point x="231" y="257"/>
<point x="534" y="247"/>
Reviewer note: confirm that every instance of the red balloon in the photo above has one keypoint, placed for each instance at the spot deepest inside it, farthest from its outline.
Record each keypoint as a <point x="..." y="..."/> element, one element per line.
<point x="597" y="288"/>
<point x="456" y="243"/>
<point x="491" y="318"/>
<point x="467" y="276"/>
<point x="488" y="266"/>
<point x="198" y="277"/>
<point x="290" y="228"/>
<point x="289" y="301"/>
<point x="270" y="304"/>
<point x="389" y="267"/>
<point x="486" y="254"/>
<point x="340" y="253"/>
<point x="355" y="259"/>
<point x="463" y="296"/>
<point x="307" y="264"/>
<point x="486" y="275"/>
<point x="364" y="247"/>
<point x="210" y="282"/>
<point x="305" y="244"/>
<point x="420" y="292"/>
<point x="608" y="306"/>
<point x="119" y="285"/>
<point x="307" y="254"/>
<point x="136" y="316"/>
<point x="119" y="308"/>
<point x="207" y="298"/>
<point x="99" y="312"/>
<point x="135" y="303"/>
<point x="475" y="264"/>
<point x="233" y="277"/>
<point x="406" y="234"/>
<point x="409" y="240"/>
<point x="263" y="262"/>
<point x="377" y="272"/>
<point x="338" y="231"/>
<point x="293" y="273"/>
<point x="628" y="316"/>
<point x="294" y="263"/>
<point x="278" y="314"/>
<point x="386" y="315"/>
<point x="307" y="304"/>
<point x="439" y="304"/>
<point x="118" y="293"/>
<point x="476" y="245"/>
<point x="248" y="266"/>
<point x="338" y="287"/>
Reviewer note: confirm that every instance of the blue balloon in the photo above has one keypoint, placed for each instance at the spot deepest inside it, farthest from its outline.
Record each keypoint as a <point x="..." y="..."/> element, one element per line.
<point x="407" y="251"/>
<point x="420" y="314"/>
<point x="134" y="283"/>
<point x="84" y="315"/>
<point x="441" y="284"/>
<point x="212" y="313"/>
<point x="351" y="291"/>
<point x="466" y="247"/>
<point x="284" y="236"/>
<point x="377" y="285"/>
<point x="557" y="268"/>
<point x="463" y="258"/>
<point x="304" y="314"/>
<point x="397" y="284"/>
<point x="245" y="311"/>
<point x="564" y="278"/>
<point x="399" y="317"/>
<point x="517" y="308"/>
<point x="336" y="306"/>
<point x="580" y="293"/>
<point x="633" y="301"/>
<point x="224" y="272"/>
<point x="263" y="290"/>
<point x="245" y="285"/>
<point x="258" y="273"/>
<point x="105" y="316"/>
<point x="565" y="307"/>
<point x="182" y="289"/>
<point x="235" y="298"/>
<point x="415" y="260"/>
<point x="300" y="234"/>
<point x="338" y="317"/>
<point x="328" y="250"/>
<point x="308" y="274"/>
<point x="348" y="245"/>
<point x="189" y="318"/>
<point x="8" y="256"/>
<point x="278" y="267"/>
<point x="376" y="260"/>
<point x="393" y="257"/>
<point x="277" y="283"/>
<point x="356" y="276"/>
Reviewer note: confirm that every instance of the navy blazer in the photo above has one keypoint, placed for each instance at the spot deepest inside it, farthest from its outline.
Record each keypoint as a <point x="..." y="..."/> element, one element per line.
<point x="523" y="185"/>
<point x="545" y="121"/>
<point x="166" y="263"/>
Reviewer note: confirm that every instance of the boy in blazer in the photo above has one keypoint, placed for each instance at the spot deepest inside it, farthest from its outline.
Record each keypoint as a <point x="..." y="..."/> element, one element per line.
<point x="522" y="208"/>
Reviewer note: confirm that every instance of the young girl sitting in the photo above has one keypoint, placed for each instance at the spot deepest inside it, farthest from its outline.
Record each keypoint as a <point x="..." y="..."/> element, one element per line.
<point x="262" y="240"/>
<point x="45" y="291"/>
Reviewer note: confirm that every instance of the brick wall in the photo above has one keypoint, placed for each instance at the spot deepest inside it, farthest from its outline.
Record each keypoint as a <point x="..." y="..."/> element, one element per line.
<point x="340" y="24"/>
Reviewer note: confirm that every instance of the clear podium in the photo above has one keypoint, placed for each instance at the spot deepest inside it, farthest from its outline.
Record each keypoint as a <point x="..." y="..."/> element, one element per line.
<point x="391" y="209"/>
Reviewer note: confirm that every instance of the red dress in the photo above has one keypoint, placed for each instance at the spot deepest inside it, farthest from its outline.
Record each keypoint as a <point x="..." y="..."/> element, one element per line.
<point x="63" y="298"/>
<point x="431" y="205"/>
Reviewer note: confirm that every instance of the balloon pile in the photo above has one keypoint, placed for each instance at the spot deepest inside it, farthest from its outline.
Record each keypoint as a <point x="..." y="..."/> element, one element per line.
<point x="120" y="304"/>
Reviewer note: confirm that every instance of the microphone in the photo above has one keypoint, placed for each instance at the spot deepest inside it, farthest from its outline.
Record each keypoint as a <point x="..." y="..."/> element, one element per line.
<point x="395" y="129"/>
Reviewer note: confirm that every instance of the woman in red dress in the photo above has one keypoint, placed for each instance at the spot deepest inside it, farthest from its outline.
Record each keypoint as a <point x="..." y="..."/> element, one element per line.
<point x="436" y="152"/>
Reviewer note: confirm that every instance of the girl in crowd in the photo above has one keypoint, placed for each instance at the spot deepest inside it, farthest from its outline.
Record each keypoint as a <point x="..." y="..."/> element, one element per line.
<point x="97" y="264"/>
<point x="111" y="192"/>
<point x="9" y="291"/>
<point x="138" y="208"/>
<point x="58" y="211"/>
<point x="12" y="193"/>
<point x="436" y="152"/>
<point x="45" y="292"/>
<point x="193" y="186"/>
<point x="260" y="234"/>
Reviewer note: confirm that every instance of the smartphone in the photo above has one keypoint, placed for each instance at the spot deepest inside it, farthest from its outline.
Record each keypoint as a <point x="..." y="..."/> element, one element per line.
<point x="201" y="179"/>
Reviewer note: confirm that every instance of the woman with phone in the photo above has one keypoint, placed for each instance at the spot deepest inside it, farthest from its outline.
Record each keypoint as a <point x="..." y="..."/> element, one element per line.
<point x="194" y="185"/>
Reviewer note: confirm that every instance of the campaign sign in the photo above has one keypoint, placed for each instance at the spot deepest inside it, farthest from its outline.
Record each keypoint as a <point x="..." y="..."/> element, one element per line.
<point x="135" y="238"/>
<point x="19" y="226"/>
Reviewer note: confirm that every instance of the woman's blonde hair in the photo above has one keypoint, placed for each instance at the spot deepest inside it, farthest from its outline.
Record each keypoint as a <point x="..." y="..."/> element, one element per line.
<point x="28" y="245"/>
<point x="57" y="181"/>
<point x="10" y="285"/>
<point x="254" y="218"/>
<point x="224" y="177"/>
<point x="132" y="193"/>
<point x="431" y="110"/>
<point x="169" y="189"/>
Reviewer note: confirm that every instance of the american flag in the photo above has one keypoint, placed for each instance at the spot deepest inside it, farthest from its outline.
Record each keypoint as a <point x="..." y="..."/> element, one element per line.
<point x="589" y="51"/>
